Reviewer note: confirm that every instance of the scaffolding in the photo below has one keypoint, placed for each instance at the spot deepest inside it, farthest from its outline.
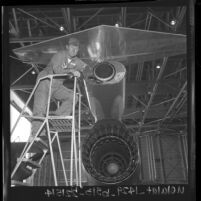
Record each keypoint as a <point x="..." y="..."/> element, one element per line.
<point x="53" y="125"/>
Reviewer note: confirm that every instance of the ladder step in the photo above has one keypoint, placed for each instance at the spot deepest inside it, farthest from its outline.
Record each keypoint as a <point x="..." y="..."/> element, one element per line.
<point x="31" y="163"/>
<point x="40" y="144"/>
<point x="60" y="125"/>
<point x="38" y="156"/>
<point x="22" y="172"/>
<point x="19" y="183"/>
<point x="17" y="147"/>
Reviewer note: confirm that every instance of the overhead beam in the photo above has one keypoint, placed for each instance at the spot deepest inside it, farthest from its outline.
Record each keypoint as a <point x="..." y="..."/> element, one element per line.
<point x="12" y="29"/>
<point x="139" y="71"/>
<point x="177" y="71"/>
<point x="178" y="109"/>
<point x="15" y="20"/>
<point x="180" y="17"/>
<point x="35" y="66"/>
<point x="29" y="28"/>
<point x="137" y="22"/>
<point x="123" y="16"/>
<point x="136" y="98"/>
<point x="66" y="20"/>
<point x="159" y="19"/>
<point x="53" y="21"/>
<point x="27" y="13"/>
<point x="69" y="19"/>
<point x="31" y="39"/>
<point x="153" y="92"/>
<point x="166" y="101"/>
<point x="148" y="21"/>
<point x="16" y="25"/>
<point x="156" y="113"/>
<point x="94" y="15"/>
<point x="167" y="114"/>
<point x="161" y="119"/>
<point x="141" y="65"/>
<point x="74" y="24"/>
<point x="181" y="104"/>
<point x="21" y="76"/>
<point x="176" y="99"/>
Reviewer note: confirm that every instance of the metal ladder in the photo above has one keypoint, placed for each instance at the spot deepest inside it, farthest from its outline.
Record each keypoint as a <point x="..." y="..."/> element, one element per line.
<point x="54" y="125"/>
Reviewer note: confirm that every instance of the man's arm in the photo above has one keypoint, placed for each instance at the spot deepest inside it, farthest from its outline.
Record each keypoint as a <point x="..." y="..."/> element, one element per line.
<point x="62" y="65"/>
<point x="76" y="66"/>
<point x="57" y="63"/>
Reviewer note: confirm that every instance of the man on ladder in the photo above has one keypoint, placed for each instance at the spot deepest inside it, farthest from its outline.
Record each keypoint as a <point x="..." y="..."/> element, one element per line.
<point x="63" y="62"/>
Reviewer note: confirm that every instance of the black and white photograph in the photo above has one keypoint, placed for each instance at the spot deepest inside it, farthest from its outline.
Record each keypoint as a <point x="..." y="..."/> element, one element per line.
<point x="99" y="95"/>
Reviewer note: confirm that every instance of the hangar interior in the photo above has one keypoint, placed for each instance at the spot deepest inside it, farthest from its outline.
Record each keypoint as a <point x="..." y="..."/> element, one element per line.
<point x="156" y="88"/>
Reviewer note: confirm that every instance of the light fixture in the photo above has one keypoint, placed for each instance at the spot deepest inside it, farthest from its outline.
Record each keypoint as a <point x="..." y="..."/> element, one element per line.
<point x="116" y="25"/>
<point x="158" y="66"/>
<point x="61" y="28"/>
<point x="33" y="72"/>
<point x="173" y="22"/>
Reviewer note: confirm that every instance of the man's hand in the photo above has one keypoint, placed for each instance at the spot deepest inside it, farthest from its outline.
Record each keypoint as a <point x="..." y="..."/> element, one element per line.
<point x="76" y="73"/>
<point x="73" y="73"/>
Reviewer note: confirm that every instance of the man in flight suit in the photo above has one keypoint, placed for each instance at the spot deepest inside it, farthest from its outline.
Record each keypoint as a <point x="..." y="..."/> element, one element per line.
<point x="65" y="61"/>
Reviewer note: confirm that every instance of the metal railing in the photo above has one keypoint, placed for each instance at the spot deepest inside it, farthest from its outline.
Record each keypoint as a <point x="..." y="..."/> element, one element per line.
<point x="75" y="146"/>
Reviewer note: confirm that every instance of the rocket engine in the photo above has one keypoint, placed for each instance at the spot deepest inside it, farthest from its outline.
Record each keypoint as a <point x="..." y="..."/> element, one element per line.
<point x="109" y="152"/>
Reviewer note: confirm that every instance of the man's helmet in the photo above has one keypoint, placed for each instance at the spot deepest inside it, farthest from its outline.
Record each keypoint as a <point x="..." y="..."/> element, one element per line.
<point x="74" y="41"/>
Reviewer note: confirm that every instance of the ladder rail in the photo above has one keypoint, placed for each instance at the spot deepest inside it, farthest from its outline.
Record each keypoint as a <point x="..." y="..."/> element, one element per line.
<point x="36" y="85"/>
<point x="62" y="161"/>
<point x="71" y="158"/>
<point x="27" y="149"/>
<point x="52" y="155"/>
<point x="79" y="139"/>
<point x="37" y="134"/>
<point x="53" y="138"/>
<point x="74" y="133"/>
<point x="49" y="134"/>
<point x="49" y="96"/>
<point x="23" y="109"/>
<point x="27" y="102"/>
<point x="76" y="160"/>
<point x="40" y="161"/>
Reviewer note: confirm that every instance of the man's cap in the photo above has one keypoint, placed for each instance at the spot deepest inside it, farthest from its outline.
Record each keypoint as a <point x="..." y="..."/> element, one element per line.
<point x="73" y="41"/>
